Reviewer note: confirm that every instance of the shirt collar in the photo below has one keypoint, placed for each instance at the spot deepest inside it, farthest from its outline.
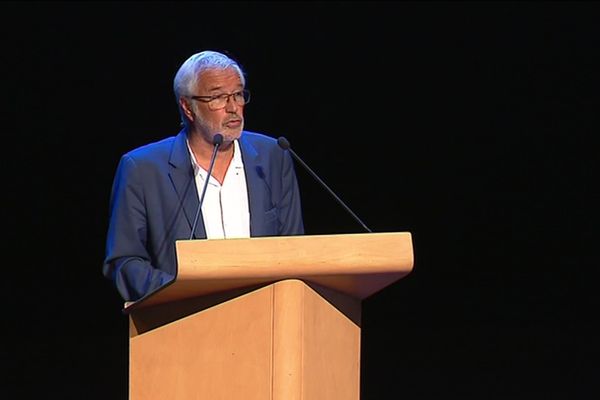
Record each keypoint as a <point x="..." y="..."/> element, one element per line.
<point x="235" y="162"/>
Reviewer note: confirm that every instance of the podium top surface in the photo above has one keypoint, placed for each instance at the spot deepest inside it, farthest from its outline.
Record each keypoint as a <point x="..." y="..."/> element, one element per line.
<point x="358" y="265"/>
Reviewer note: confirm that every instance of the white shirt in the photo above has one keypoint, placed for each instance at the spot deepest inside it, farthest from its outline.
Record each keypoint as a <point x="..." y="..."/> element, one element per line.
<point x="225" y="209"/>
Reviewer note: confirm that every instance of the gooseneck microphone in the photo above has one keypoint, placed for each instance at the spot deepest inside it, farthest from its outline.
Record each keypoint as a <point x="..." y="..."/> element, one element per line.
<point x="285" y="145"/>
<point x="217" y="141"/>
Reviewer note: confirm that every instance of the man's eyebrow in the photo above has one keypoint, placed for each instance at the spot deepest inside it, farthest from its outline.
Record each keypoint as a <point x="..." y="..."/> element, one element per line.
<point x="220" y="88"/>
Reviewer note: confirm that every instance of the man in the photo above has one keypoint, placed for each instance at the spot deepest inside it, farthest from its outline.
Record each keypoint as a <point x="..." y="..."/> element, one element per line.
<point x="252" y="190"/>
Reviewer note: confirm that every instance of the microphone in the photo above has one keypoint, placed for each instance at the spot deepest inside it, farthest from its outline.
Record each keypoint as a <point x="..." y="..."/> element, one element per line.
<point x="285" y="145"/>
<point x="217" y="141"/>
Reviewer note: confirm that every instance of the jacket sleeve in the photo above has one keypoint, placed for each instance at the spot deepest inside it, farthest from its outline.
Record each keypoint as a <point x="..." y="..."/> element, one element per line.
<point x="290" y="209"/>
<point x="128" y="263"/>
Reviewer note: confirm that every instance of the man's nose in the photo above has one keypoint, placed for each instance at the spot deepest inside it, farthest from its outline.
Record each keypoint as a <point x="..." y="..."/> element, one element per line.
<point x="231" y="105"/>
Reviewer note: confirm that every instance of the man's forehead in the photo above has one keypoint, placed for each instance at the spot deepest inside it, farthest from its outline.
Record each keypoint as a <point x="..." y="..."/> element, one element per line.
<point x="214" y="78"/>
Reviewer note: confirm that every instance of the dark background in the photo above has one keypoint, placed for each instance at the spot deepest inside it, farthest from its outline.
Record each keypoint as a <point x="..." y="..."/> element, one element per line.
<point x="470" y="125"/>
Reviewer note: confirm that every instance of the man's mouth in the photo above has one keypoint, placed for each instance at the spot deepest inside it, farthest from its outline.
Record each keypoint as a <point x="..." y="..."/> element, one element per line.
<point x="234" y="123"/>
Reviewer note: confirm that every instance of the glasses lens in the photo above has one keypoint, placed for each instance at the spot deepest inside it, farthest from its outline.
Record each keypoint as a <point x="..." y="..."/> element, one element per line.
<point x="218" y="103"/>
<point x="240" y="98"/>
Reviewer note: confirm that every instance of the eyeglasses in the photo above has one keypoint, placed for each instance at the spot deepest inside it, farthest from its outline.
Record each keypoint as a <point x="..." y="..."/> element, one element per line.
<point x="219" y="101"/>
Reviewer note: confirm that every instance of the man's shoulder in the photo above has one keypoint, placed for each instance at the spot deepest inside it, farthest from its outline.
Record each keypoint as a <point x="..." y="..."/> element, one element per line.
<point x="152" y="151"/>
<point x="258" y="142"/>
<point x="258" y="138"/>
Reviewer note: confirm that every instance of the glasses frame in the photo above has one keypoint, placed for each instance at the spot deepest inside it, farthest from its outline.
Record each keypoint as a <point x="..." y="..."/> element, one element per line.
<point x="210" y="99"/>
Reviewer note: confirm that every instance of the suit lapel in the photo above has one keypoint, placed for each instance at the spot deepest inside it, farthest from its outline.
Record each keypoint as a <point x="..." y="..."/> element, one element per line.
<point x="182" y="177"/>
<point x="255" y="179"/>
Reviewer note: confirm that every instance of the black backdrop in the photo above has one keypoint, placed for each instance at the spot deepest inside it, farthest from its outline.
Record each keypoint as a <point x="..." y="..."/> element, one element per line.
<point x="468" y="124"/>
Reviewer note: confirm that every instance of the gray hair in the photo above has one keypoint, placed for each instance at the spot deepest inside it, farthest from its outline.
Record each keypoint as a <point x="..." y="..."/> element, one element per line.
<point x="187" y="75"/>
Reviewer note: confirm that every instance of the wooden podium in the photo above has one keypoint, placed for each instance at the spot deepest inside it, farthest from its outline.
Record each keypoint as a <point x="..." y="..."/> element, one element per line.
<point x="274" y="318"/>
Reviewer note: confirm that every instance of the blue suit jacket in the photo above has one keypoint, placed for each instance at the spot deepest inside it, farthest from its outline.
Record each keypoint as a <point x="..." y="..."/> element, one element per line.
<point x="154" y="200"/>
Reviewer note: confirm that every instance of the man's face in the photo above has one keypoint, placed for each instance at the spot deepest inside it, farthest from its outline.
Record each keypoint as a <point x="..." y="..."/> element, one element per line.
<point x="229" y="120"/>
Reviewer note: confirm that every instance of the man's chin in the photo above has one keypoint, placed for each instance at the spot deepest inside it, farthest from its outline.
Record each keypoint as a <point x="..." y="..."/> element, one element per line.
<point x="231" y="136"/>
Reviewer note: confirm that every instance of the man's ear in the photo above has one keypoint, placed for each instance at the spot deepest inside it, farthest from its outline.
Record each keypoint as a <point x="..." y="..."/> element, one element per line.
<point x="187" y="109"/>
